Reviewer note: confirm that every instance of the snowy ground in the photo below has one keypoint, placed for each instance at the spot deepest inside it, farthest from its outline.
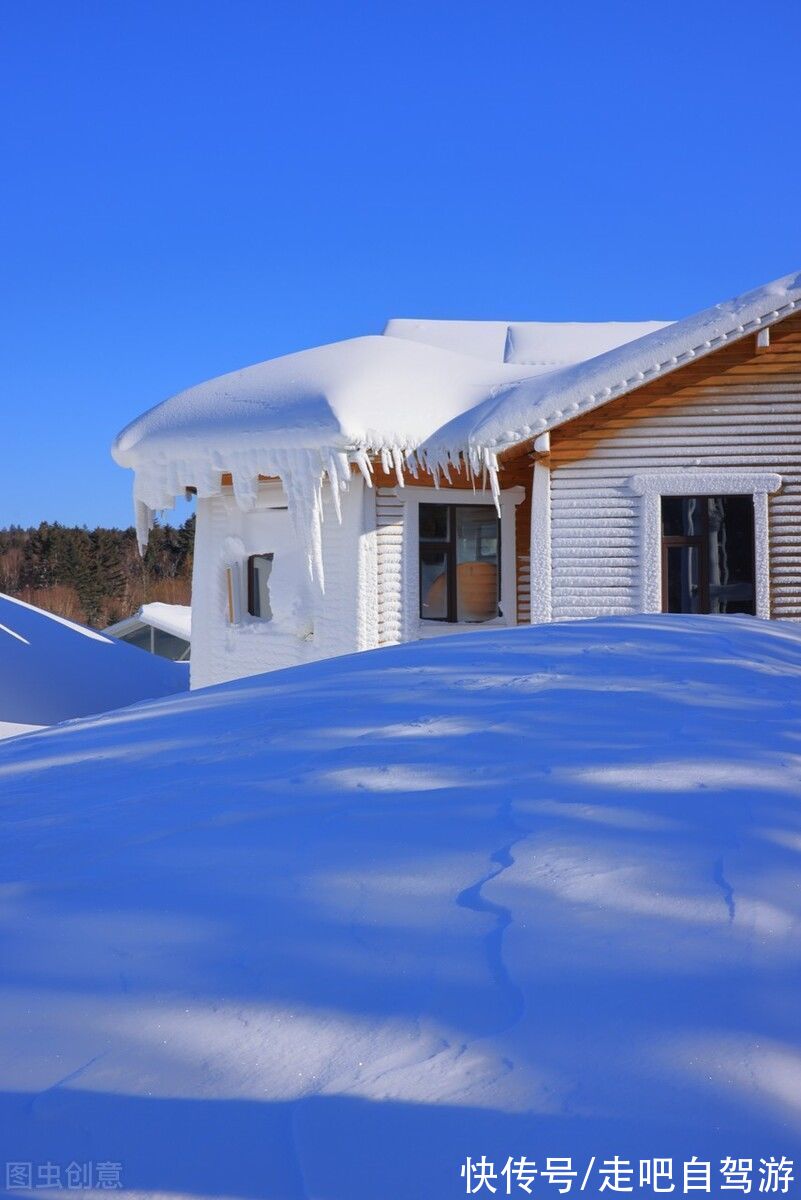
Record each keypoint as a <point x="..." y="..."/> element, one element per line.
<point x="52" y="669"/>
<point x="327" y="932"/>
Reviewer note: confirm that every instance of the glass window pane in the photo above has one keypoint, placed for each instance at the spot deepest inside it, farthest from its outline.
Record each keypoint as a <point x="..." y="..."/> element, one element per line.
<point x="139" y="637"/>
<point x="682" y="516"/>
<point x="731" y="554"/>
<point x="477" y="575"/>
<point x="169" y="646"/>
<point x="433" y="583"/>
<point x="433" y="522"/>
<point x="683" y="582"/>
<point x="261" y="566"/>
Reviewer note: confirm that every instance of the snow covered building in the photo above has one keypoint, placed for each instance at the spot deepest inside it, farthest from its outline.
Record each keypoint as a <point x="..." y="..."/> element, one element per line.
<point x="158" y="628"/>
<point x="447" y="474"/>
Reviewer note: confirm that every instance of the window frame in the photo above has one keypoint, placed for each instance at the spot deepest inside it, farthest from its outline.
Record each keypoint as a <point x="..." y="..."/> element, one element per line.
<point x="449" y="545"/>
<point x="651" y="486"/>
<point x="702" y="542"/>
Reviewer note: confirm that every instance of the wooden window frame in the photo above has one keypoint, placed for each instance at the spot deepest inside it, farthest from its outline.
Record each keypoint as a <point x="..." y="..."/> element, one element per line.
<point x="699" y="541"/>
<point x="450" y="548"/>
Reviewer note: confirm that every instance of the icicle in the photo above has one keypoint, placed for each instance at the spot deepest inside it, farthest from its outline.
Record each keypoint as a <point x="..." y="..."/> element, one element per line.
<point x="397" y="462"/>
<point x="144" y="524"/>
<point x="302" y="479"/>
<point x="318" y="571"/>
<point x="491" y="461"/>
<point x="333" y="479"/>
<point x="245" y="490"/>
<point x="362" y="461"/>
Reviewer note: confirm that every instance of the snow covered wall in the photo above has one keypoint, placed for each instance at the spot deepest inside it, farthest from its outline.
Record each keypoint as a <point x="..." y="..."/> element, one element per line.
<point x="305" y="623"/>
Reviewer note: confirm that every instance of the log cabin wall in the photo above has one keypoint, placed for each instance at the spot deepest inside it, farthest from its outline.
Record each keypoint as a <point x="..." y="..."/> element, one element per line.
<point x="738" y="409"/>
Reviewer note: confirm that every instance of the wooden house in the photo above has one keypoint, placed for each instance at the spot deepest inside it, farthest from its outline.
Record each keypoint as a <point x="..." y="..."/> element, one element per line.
<point x="446" y="475"/>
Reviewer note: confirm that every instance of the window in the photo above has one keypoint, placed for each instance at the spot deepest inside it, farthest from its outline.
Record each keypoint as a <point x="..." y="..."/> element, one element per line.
<point x="708" y="554"/>
<point x="259" y="569"/>
<point x="459" y="562"/>
<point x="141" y="637"/>
<point x="156" y="641"/>
<point x="167" y="645"/>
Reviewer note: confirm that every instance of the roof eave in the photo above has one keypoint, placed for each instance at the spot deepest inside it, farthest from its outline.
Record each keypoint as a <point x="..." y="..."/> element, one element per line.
<point x="658" y="371"/>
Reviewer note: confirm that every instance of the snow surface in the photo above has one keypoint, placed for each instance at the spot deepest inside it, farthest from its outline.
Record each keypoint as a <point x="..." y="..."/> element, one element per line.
<point x="326" y="932"/>
<point x="542" y="344"/>
<point x="52" y="669"/>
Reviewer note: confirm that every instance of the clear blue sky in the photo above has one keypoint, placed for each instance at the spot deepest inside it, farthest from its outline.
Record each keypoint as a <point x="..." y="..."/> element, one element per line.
<point x="189" y="187"/>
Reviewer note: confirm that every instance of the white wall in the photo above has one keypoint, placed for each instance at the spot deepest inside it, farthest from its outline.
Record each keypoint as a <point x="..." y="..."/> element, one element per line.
<point x="305" y="624"/>
<point x="370" y="561"/>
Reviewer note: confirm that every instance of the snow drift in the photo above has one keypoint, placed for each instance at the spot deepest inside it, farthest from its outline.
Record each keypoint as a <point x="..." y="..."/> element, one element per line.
<point x="328" y="932"/>
<point x="53" y="670"/>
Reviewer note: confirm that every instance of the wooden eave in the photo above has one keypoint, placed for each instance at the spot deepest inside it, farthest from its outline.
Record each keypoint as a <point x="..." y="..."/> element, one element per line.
<point x="734" y="354"/>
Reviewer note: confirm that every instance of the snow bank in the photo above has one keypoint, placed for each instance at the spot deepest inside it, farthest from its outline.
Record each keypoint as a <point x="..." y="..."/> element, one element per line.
<point x="328" y="932"/>
<point x="54" y="670"/>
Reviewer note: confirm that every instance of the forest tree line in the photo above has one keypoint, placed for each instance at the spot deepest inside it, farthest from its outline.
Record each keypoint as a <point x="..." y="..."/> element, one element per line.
<point x="96" y="576"/>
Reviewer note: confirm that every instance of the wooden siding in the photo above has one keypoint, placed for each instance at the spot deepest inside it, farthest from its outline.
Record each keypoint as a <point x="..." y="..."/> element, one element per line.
<point x="389" y="540"/>
<point x="739" y="409"/>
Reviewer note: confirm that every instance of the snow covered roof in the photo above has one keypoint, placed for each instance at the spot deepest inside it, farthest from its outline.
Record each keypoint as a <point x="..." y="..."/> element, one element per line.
<point x="545" y="345"/>
<point x="369" y="392"/>
<point x="52" y="670"/>
<point x="301" y="416"/>
<point x="527" y="408"/>
<point x="431" y="389"/>
<point x="175" y="619"/>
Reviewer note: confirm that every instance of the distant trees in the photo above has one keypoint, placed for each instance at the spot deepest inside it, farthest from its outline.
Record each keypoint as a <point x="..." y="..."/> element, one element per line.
<point x="96" y="575"/>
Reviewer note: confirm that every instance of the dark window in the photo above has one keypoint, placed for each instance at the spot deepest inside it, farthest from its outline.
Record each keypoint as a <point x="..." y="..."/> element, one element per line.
<point x="259" y="569"/>
<point x="708" y="554"/>
<point x="460" y="574"/>
<point x="167" y="645"/>
<point x="141" y="637"/>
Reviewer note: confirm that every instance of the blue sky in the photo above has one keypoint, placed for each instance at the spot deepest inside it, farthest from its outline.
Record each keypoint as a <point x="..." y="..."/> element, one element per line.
<point x="191" y="187"/>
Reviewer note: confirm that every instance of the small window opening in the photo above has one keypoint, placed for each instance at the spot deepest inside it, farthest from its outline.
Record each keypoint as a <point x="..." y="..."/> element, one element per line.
<point x="259" y="569"/>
